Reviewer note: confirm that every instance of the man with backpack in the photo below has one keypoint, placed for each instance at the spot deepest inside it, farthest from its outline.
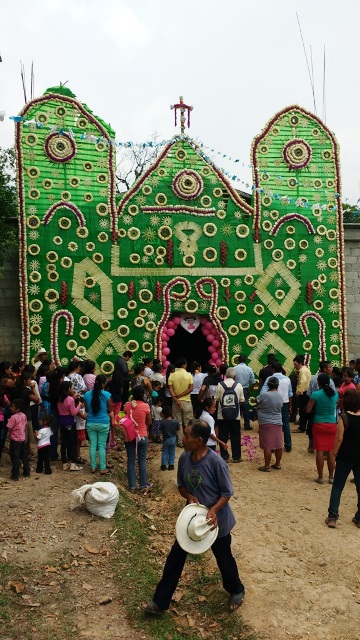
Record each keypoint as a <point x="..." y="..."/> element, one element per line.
<point x="229" y="395"/>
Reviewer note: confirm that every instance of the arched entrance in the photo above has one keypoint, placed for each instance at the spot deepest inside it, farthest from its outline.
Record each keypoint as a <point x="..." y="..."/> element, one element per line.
<point x="193" y="337"/>
<point x="192" y="346"/>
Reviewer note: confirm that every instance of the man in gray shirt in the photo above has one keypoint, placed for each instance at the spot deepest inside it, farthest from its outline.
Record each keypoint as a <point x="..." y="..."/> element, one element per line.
<point x="246" y="377"/>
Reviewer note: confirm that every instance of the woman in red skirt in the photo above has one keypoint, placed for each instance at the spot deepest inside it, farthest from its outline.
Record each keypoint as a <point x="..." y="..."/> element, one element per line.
<point x="324" y="403"/>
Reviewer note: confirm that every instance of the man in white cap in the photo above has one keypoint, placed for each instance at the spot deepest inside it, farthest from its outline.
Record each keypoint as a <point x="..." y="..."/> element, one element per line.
<point x="40" y="357"/>
<point x="203" y="477"/>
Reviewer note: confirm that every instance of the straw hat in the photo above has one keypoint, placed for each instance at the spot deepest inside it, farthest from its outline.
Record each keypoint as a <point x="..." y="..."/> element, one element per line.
<point x="193" y="533"/>
<point x="42" y="350"/>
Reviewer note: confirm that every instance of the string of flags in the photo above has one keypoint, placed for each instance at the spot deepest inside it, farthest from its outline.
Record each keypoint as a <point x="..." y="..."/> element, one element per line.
<point x="200" y="148"/>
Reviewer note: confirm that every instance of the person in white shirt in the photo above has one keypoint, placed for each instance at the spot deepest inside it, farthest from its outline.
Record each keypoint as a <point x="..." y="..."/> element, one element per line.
<point x="44" y="445"/>
<point x="230" y="428"/>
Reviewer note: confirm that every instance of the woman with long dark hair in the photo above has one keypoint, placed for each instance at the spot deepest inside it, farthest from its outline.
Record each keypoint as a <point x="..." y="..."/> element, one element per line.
<point x="141" y="379"/>
<point x="67" y="410"/>
<point x="324" y="425"/>
<point x="138" y="411"/>
<point x="98" y="406"/>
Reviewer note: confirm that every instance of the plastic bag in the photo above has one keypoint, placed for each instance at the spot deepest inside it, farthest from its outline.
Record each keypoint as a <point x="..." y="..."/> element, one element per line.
<point x="99" y="498"/>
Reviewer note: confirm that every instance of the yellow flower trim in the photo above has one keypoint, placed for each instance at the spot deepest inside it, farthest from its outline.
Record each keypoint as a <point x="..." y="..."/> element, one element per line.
<point x="279" y="294"/>
<point x="42" y="117"/>
<point x="268" y="244"/>
<point x="307" y="345"/>
<point x="51" y="295"/>
<point x="102" y="178"/>
<point x="188" y="261"/>
<point x="251" y="340"/>
<point x="98" y="258"/>
<point x="303" y="244"/>
<point x="33" y="172"/>
<point x="147" y="346"/>
<point x="334" y="293"/>
<point x="259" y="309"/>
<point x="191" y="306"/>
<point x="65" y="195"/>
<point x="132" y="304"/>
<point x="206" y="201"/>
<point x="100" y="146"/>
<point x="105" y="325"/>
<point x="89" y="282"/>
<point x="53" y="276"/>
<point x="244" y="325"/>
<point x="222" y="313"/>
<point x="122" y="233"/>
<point x="146" y="189"/>
<point x="81" y="351"/>
<point x="47" y="184"/>
<point x="31" y="139"/>
<point x="217" y="192"/>
<point x="107" y="367"/>
<point x="242" y="230"/>
<point x="150" y="326"/>
<point x="240" y="296"/>
<point x="35" y="329"/>
<point x="133" y="209"/>
<point x="322" y="278"/>
<point x="84" y="321"/>
<point x="233" y="330"/>
<point x="64" y="223"/>
<point x="221" y="214"/>
<point x="318" y="305"/>
<point x="102" y="236"/>
<point x="122" y="313"/>
<point x="71" y="345"/>
<point x="277" y="255"/>
<point x="225" y="282"/>
<point x="210" y="229"/>
<point x="290" y="244"/>
<point x="315" y="284"/>
<point x="240" y="255"/>
<point x="90" y="246"/>
<point x="266" y="225"/>
<point x="332" y="263"/>
<point x="139" y="322"/>
<point x="122" y="287"/>
<point x="290" y="229"/>
<point x="57" y="240"/>
<point x="331" y="234"/>
<point x="148" y="250"/>
<point x="259" y="325"/>
<point x="290" y="326"/>
<point x="180" y="154"/>
<point x="102" y="209"/>
<point x="132" y="345"/>
<point x="249" y="280"/>
<point x="84" y="334"/>
<point x="210" y="254"/>
<point x="162" y="172"/>
<point x="159" y="261"/>
<point x="133" y="233"/>
<point x="266" y="201"/>
<point x="161" y="199"/>
<point x="35" y="276"/>
<point x="82" y="232"/>
<point x="321" y="230"/>
<point x="88" y="166"/>
<point x="291" y="264"/>
<point x="35" y="306"/>
<point x="34" y="194"/>
<point x="50" y="267"/>
<point x="334" y="349"/>
<point x="274" y="325"/>
<point x="88" y="197"/>
<point x="161" y="251"/>
<point x="74" y="182"/>
<point x="33" y="249"/>
<point x="145" y="295"/>
<point x="205" y="170"/>
<point x="33" y="222"/>
<point x="319" y="252"/>
<point x="241" y="308"/>
<point x="143" y="313"/>
<point x="123" y="331"/>
<point x="165" y="232"/>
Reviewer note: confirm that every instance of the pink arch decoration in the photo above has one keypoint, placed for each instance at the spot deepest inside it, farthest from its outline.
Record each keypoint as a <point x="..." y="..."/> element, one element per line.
<point x="64" y="205"/>
<point x="292" y="216"/>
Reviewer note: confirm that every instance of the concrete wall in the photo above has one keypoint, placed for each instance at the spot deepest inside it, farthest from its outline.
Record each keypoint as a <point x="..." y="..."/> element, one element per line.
<point x="10" y="329"/>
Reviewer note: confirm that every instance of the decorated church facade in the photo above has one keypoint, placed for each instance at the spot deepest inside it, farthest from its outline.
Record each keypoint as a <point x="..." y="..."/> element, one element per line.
<point x="180" y="264"/>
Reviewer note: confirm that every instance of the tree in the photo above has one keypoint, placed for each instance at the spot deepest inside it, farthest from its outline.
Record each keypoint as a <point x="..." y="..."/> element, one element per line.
<point x="133" y="160"/>
<point x="351" y="212"/>
<point x="8" y="205"/>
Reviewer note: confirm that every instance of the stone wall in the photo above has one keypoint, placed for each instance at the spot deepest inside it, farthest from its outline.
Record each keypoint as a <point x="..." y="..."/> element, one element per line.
<point x="10" y="328"/>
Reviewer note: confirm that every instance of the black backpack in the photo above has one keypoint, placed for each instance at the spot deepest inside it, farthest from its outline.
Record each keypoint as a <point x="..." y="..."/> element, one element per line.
<point x="229" y="402"/>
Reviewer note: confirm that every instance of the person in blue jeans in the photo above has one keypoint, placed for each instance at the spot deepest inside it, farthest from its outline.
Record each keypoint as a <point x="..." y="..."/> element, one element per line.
<point x="139" y="412"/>
<point x="168" y="427"/>
<point x="347" y="453"/>
<point x="98" y="406"/>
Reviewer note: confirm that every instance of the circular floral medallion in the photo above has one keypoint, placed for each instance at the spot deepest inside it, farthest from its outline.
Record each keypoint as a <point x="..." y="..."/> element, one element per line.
<point x="321" y="230"/>
<point x="145" y="295"/>
<point x="102" y="209"/>
<point x="53" y="276"/>
<point x="188" y="261"/>
<point x="191" y="306"/>
<point x="51" y="295"/>
<point x="319" y="252"/>
<point x="34" y="194"/>
<point x="259" y="309"/>
<point x="82" y="232"/>
<point x="64" y="223"/>
<point x="277" y="255"/>
<point x="105" y="325"/>
<point x="290" y="326"/>
<point x="123" y="330"/>
<point x="102" y="178"/>
<point x="102" y="236"/>
<point x="331" y="234"/>
<point x="146" y="189"/>
<point x="297" y="154"/>
<point x="100" y="146"/>
<point x="84" y="321"/>
<point x="139" y="322"/>
<point x="89" y="282"/>
<point x="149" y="250"/>
<point x="233" y="330"/>
<point x="315" y="284"/>
<point x="318" y="305"/>
<point x="31" y="139"/>
<point x="206" y="171"/>
<point x="82" y="123"/>
<point x="90" y="246"/>
<point x="266" y="225"/>
<point x="159" y="260"/>
<point x="132" y="345"/>
<point x="187" y="184"/>
<point x="180" y="154"/>
<point x="335" y="324"/>
<point x="332" y="263"/>
<point x="88" y="197"/>
<point x="259" y="325"/>
<point x="334" y="293"/>
<point x="210" y="229"/>
<point x="74" y="182"/>
<point x="334" y="350"/>
<point x="327" y="154"/>
<point x="165" y="232"/>
<point x="244" y="325"/>
<point x="42" y="117"/>
<point x="81" y="351"/>
<point x="161" y="251"/>
<point x="303" y="244"/>
<point x="240" y="254"/>
<point x="134" y="258"/>
<point x="307" y="345"/>
<point x="217" y="192"/>
<point x="274" y="325"/>
<point x="33" y="249"/>
<point x="161" y="199"/>
<point x="47" y="184"/>
<point x="35" y="276"/>
<point x="222" y="313"/>
<point x="132" y="304"/>
<point x="162" y="172"/>
<point x="60" y="148"/>
<point x="292" y="183"/>
<point x="251" y="340"/>
<point x="249" y="280"/>
<point x="98" y="258"/>
<point x="279" y="294"/>
<point x="240" y="296"/>
<point x="122" y="233"/>
<point x="268" y="244"/>
<point x="122" y="287"/>
<point x="33" y="172"/>
<point x="35" y="329"/>
<point x="242" y="230"/>
<point x="50" y="267"/>
<point x="150" y="326"/>
<point x="65" y="195"/>
<point x="322" y="278"/>
<point x="291" y="264"/>
<point x="205" y="201"/>
<point x="267" y="201"/>
<point x="143" y="313"/>
<point x="35" y="306"/>
<point x="221" y="214"/>
<point x="274" y="214"/>
<point x="71" y="345"/>
<point x="241" y="308"/>
<point x="84" y="334"/>
<point x="33" y="222"/>
<point x="107" y="367"/>
<point x="210" y="254"/>
<point x="133" y="233"/>
<point x="147" y="346"/>
<point x="317" y="210"/>
<point x="122" y="313"/>
<point x="289" y="244"/>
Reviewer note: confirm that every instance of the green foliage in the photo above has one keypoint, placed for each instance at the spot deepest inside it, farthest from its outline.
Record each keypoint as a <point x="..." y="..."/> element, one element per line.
<point x="8" y="205"/>
<point x="351" y="213"/>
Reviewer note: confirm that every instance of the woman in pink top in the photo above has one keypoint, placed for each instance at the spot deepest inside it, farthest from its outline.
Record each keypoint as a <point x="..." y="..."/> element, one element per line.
<point x="348" y="383"/>
<point x="139" y="411"/>
<point x="67" y="410"/>
<point x="89" y="374"/>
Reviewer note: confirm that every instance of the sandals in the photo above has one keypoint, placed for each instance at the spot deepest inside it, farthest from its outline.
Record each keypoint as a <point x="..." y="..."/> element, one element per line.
<point x="235" y="601"/>
<point x="152" y="609"/>
<point x="273" y="466"/>
<point x="266" y="469"/>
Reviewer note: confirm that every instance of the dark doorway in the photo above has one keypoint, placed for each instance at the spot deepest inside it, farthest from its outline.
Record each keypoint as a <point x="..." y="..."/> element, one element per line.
<point x="192" y="346"/>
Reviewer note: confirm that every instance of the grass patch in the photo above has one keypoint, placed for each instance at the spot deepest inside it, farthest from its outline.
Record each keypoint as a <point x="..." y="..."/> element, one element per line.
<point x="34" y="605"/>
<point x="145" y="531"/>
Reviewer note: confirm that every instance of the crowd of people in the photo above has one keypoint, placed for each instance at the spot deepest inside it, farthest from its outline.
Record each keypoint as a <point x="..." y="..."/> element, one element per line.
<point x="58" y="409"/>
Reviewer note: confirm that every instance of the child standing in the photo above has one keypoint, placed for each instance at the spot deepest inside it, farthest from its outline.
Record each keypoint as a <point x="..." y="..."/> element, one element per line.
<point x="18" y="449"/>
<point x="156" y="409"/>
<point x="168" y="428"/>
<point x="209" y="408"/>
<point x="44" y="445"/>
<point x="80" y="421"/>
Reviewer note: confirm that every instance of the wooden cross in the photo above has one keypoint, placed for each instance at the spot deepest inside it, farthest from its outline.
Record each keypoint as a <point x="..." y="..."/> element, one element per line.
<point x="182" y="107"/>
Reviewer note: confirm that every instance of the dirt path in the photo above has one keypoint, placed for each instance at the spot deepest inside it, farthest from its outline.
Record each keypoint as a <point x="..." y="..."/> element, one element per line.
<point x="302" y="579"/>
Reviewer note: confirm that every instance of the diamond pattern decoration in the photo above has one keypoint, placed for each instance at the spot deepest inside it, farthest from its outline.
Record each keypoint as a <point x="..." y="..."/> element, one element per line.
<point x="274" y="270"/>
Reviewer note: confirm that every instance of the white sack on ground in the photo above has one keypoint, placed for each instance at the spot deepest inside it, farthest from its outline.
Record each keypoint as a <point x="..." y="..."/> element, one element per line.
<point x="99" y="498"/>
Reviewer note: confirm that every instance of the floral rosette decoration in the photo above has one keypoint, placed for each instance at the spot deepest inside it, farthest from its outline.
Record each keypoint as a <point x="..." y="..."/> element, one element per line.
<point x="297" y="154"/>
<point x="187" y="184"/>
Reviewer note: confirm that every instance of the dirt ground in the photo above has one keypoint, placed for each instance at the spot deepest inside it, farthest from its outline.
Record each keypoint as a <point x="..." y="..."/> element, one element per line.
<point x="302" y="579"/>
